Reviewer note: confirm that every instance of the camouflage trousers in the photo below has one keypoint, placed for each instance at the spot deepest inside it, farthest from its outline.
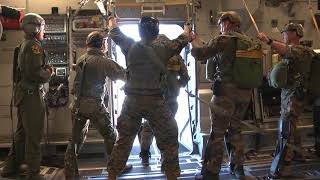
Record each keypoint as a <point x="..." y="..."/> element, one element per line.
<point x="90" y="110"/>
<point x="292" y="102"/>
<point x="165" y="129"/>
<point x="233" y="102"/>
<point x="26" y="146"/>
<point x="145" y="133"/>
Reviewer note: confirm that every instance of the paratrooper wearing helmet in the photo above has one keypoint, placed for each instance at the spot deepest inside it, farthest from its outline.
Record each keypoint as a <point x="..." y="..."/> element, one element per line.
<point x="295" y="66"/>
<point x="146" y="70"/>
<point x="28" y="99"/>
<point x="230" y="99"/>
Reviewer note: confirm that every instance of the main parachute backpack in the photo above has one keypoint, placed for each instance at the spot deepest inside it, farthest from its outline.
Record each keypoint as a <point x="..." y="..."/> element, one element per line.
<point x="248" y="68"/>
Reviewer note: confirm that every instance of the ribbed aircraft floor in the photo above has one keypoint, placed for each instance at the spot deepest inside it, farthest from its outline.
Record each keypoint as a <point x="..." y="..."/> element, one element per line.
<point x="256" y="167"/>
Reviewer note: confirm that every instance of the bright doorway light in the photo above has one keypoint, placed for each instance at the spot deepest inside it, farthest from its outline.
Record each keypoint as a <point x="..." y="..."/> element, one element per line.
<point x="182" y="117"/>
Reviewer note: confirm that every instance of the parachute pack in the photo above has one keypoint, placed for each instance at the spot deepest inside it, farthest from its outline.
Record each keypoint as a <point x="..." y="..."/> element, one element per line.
<point x="278" y="77"/>
<point x="248" y="68"/>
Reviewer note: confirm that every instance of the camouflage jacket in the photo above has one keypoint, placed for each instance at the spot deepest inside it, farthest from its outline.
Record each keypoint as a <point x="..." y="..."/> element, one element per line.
<point x="177" y="75"/>
<point x="223" y="49"/>
<point x="299" y="59"/>
<point x="97" y="69"/>
<point x="146" y="61"/>
<point x="31" y="64"/>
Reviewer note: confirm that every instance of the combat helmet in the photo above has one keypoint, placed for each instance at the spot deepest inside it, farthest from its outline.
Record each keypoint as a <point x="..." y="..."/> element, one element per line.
<point x="293" y="27"/>
<point x="32" y="23"/>
<point x="148" y="28"/>
<point x="232" y="16"/>
<point x="95" y="39"/>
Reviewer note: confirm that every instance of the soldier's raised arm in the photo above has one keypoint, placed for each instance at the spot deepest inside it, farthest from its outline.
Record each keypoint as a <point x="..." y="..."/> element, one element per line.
<point x="175" y="46"/>
<point x="183" y="73"/>
<point x="203" y="51"/>
<point x="118" y="37"/>
<point x="114" y="71"/>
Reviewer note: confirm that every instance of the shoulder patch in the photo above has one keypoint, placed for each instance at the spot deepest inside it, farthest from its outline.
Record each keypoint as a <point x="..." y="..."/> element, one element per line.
<point x="35" y="49"/>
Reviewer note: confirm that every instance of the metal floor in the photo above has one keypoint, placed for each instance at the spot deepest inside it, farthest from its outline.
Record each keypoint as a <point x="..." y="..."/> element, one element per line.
<point x="256" y="167"/>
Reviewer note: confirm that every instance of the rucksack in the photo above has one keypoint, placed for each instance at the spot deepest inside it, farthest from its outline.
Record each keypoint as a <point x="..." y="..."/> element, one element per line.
<point x="248" y="68"/>
<point x="309" y="67"/>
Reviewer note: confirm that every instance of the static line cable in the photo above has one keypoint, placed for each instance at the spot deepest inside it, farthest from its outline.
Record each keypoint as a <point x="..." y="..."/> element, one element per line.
<point x="251" y="17"/>
<point x="223" y="112"/>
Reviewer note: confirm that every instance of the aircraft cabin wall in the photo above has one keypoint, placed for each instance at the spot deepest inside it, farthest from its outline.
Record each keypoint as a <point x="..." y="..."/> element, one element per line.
<point x="270" y="17"/>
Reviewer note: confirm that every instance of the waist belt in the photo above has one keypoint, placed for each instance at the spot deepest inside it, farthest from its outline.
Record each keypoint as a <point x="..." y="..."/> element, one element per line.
<point x="142" y="92"/>
<point x="31" y="89"/>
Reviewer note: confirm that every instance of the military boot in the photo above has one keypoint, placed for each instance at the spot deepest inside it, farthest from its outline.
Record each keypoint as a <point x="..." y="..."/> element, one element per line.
<point x="145" y="155"/>
<point x="127" y="168"/>
<point x="35" y="176"/>
<point x="206" y="175"/>
<point x="231" y="168"/>
<point x="112" y="177"/>
<point x="239" y="172"/>
<point x="172" y="177"/>
<point x="69" y="175"/>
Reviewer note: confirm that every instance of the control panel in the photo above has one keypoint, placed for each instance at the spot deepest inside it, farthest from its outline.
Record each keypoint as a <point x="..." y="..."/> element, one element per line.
<point x="55" y="23"/>
<point x="56" y="46"/>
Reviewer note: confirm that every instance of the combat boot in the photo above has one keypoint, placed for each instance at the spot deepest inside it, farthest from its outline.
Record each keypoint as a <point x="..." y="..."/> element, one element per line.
<point x="206" y="175"/>
<point x="35" y="177"/>
<point x="112" y="177"/>
<point x="71" y="175"/>
<point x="127" y="168"/>
<point x="239" y="173"/>
<point x="231" y="168"/>
<point x="145" y="155"/>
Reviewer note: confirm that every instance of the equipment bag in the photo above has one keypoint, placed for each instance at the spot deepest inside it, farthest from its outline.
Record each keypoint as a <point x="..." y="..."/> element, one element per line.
<point x="248" y="68"/>
<point x="278" y="77"/>
<point x="210" y="69"/>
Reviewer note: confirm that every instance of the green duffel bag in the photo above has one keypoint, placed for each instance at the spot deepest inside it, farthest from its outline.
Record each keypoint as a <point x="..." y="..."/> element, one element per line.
<point x="278" y="77"/>
<point x="248" y="68"/>
<point x="314" y="79"/>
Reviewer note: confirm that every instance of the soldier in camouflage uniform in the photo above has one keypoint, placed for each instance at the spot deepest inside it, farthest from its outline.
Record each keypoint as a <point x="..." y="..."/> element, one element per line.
<point x="32" y="73"/>
<point x="146" y="61"/>
<point x="177" y="77"/>
<point x="90" y="91"/>
<point x="227" y="96"/>
<point x="292" y="98"/>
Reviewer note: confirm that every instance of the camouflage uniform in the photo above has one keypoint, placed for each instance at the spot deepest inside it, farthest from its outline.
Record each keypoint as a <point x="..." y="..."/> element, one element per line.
<point x="292" y="105"/>
<point x="28" y="98"/>
<point x="227" y="97"/>
<point x="176" y="68"/>
<point x="146" y="103"/>
<point x="90" y="106"/>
